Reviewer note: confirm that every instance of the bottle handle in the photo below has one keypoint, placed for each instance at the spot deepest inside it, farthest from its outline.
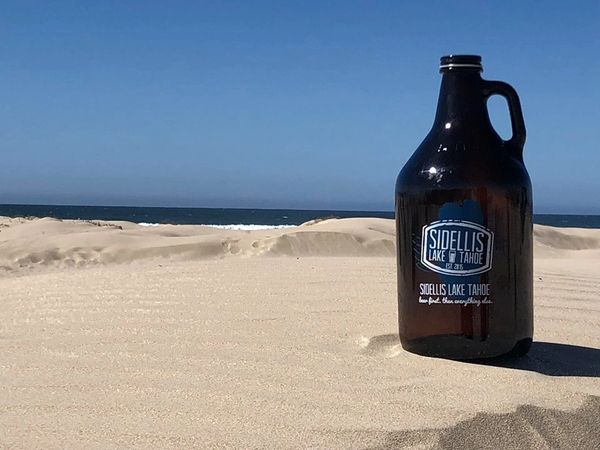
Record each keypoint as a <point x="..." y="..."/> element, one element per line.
<point x="517" y="141"/>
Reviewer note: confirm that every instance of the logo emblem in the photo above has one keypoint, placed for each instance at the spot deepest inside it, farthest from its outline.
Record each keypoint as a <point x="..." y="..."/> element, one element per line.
<point x="456" y="247"/>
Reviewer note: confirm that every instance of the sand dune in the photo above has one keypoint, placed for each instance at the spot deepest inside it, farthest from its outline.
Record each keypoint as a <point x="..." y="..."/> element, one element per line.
<point x="41" y="243"/>
<point x="196" y="337"/>
<point x="56" y="243"/>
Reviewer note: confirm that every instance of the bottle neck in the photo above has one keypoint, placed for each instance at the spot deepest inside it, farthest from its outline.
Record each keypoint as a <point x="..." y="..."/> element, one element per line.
<point x="462" y="102"/>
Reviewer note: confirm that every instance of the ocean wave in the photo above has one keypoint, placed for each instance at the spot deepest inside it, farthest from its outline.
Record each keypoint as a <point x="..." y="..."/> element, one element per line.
<point x="232" y="226"/>
<point x="249" y="227"/>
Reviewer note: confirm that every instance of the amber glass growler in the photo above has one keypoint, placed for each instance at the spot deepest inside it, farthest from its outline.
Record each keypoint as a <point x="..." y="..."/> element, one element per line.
<point x="464" y="227"/>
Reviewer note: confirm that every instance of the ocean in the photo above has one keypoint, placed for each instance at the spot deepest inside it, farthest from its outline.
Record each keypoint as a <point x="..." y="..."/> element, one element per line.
<point x="236" y="218"/>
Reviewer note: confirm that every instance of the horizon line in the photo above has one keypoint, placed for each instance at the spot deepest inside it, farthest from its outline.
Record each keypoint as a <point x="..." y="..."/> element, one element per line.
<point x="251" y="208"/>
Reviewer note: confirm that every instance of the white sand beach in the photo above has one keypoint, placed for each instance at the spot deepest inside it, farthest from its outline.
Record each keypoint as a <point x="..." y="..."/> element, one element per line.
<point x="115" y="335"/>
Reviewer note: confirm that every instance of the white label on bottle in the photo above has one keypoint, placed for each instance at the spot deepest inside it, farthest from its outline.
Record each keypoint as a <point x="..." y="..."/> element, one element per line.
<point x="456" y="247"/>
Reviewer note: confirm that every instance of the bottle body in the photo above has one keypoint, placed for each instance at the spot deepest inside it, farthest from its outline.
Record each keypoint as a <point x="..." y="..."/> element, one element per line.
<point x="464" y="234"/>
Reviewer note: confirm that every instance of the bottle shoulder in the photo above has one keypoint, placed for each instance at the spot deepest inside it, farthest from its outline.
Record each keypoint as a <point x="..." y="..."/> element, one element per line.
<point x="451" y="162"/>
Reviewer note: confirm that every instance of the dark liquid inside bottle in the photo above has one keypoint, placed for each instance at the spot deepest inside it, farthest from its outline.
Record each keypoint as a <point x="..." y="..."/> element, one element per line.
<point x="464" y="227"/>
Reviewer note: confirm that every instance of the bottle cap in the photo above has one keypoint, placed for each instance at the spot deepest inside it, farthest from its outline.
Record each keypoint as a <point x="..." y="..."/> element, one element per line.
<point x="451" y="62"/>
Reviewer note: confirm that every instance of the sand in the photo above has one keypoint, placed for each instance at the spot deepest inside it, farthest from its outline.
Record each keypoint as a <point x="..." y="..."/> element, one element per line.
<point x="114" y="335"/>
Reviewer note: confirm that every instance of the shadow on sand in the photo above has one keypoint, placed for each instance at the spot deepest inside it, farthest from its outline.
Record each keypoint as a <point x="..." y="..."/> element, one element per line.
<point x="548" y="358"/>
<point x="551" y="358"/>
<point x="529" y="427"/>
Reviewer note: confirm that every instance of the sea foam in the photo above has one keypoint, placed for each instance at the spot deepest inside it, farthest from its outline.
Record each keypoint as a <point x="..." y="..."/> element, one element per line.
<point x="249" y="227"/>
<point x="233" y="226"/>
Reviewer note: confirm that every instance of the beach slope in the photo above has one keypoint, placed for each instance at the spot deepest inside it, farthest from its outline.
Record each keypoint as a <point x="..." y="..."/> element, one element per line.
<point x="115" y="335"/>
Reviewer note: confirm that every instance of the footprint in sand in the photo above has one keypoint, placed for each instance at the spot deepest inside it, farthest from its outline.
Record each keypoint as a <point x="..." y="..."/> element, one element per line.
<point x="385" y="345"/>
<point x="230" y="246"/>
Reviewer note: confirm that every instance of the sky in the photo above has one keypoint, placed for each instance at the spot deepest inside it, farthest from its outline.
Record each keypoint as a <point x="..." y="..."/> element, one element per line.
<point x="280" y="104"/>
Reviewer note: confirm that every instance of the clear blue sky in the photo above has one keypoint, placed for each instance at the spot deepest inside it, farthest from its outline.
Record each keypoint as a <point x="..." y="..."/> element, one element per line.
<point x="278" y="104"/>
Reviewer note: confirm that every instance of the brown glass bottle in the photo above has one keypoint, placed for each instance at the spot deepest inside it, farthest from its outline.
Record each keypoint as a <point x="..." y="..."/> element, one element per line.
<point x="464" y="227"/>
